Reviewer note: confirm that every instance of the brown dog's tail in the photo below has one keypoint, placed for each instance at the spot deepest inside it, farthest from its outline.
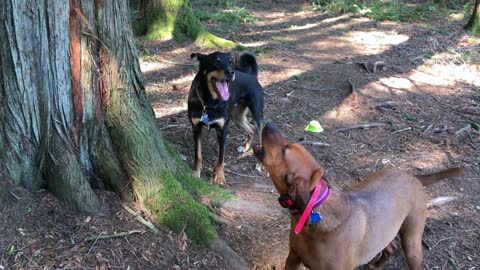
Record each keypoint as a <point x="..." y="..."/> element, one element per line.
<point x="434" y="177"/>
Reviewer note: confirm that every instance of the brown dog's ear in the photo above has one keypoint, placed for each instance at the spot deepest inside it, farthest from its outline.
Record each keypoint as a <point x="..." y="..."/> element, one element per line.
<point x="199" y="56"/>
<point x="316" y="176"/>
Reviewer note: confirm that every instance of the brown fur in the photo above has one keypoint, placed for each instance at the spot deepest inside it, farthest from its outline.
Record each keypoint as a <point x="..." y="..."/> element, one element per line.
<point x="357" y="223"/>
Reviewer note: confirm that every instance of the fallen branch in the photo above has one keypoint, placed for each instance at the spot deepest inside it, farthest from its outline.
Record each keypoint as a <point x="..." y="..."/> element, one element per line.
<point x="109" y="236"/>
<point x="429" y="127"/>
<point x="15" y="196"/>
<point x="440" y="200"/>
<point x="386" y="105"/>
<point x="314" y="143"/>
<point x="140" y="219"/>
<point x="469" y="112"/>
<point x="402" y="130"/>
<point x="372" y="67"/>
<point x="243" y="175"/>
<point x="175" y="63"/>
<point x="361" y="126"/>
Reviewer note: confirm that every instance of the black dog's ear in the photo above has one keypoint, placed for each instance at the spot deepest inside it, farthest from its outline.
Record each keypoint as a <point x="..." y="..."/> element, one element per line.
<point x="199" y="56"/>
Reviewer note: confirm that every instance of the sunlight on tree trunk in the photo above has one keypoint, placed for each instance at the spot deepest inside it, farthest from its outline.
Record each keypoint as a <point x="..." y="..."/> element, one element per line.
<point x="75" y="116"/>
<point x="167" y="19"/>
<point x="473" y="25"/>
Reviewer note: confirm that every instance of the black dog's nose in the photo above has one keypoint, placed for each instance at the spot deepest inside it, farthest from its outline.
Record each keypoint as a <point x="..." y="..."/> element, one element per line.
<point x="229" y="72"/>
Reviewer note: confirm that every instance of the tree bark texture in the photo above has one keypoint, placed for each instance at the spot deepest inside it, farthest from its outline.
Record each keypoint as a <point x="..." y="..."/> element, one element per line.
<point x="75" y="116"/>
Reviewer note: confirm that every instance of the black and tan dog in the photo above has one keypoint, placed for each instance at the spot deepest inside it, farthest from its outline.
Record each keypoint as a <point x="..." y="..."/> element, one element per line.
<point x="224" y="87"/>
<point x="346" y="228"/>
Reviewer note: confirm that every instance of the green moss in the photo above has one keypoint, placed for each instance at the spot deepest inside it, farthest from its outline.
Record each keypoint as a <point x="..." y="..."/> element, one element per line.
<point x="180" y="212"/>
<point x="194" y="185"/>
<point x="474" y="28"/>
<point x="176" y="20"/>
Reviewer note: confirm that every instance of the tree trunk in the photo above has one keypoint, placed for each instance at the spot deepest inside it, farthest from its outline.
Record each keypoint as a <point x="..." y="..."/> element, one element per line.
<point x="75" y="116"/>
<point x="167" y="19"/>
<point x="473" y="25"/>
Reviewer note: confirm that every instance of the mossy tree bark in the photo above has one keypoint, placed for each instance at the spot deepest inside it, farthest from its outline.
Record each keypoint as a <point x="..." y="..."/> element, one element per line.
<point x="166" y="19"/>
<point x="75" y="116"/>
<point x="473" y="25"/>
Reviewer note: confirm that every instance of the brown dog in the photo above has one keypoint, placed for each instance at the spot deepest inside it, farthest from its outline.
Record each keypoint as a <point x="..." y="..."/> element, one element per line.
<point x="357" y="223"/>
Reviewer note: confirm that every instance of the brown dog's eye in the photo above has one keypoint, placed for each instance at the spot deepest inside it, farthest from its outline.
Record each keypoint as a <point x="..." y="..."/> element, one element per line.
<point x="284" y="149"/>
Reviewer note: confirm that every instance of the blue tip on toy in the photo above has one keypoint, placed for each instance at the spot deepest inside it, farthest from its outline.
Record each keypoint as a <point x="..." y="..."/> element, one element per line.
<point x="315" y="218"/>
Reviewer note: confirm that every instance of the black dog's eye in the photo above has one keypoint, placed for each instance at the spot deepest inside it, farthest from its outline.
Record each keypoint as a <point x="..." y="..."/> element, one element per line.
<point x="231" y="61"/>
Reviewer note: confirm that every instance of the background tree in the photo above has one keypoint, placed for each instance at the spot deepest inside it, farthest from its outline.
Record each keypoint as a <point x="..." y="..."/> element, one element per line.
<point x="75" y="115"/>
<point x="166" y="19"/>
<point x="473" y="24"/>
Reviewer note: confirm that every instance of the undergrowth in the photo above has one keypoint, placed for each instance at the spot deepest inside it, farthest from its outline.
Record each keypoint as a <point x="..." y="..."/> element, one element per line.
<point x="382" y="10"/>
<point x="229" y="13"/>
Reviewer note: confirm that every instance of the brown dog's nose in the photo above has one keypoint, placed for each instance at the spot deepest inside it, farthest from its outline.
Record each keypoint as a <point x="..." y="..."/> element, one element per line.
<point x="270" y="127"/>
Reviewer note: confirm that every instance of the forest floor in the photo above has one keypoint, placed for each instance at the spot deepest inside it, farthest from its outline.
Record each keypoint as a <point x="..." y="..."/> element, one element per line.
<point x="427" y="93"/>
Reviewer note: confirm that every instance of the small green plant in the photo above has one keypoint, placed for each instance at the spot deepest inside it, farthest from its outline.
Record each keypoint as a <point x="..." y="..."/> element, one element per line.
<point x="11" y="250"/>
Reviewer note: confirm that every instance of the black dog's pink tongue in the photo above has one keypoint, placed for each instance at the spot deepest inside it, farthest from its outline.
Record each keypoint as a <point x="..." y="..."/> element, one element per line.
<point x="223" y="90"/>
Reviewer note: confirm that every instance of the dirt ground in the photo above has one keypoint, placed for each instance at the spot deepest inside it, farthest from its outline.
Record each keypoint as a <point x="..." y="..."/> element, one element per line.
<point x="309" y="67"/>
<point x="309" y="62"/>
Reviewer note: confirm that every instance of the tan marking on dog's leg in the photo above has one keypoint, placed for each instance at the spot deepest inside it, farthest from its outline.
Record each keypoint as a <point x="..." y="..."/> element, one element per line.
<point x="197" y="169"/>
<point x="239" y="116"/>
<point x="197" y="132"/>
<point x="195" y="120"/>
<point x="220" y="122"/>
<point x="219" y="177"/>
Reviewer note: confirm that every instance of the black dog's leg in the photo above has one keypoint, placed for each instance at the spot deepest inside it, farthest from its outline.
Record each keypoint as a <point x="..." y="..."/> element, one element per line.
<point x="197" y="139"/>
<point x="219" y="177"/>
<point x="256" y="108"/>
<point x="239" y="116"/>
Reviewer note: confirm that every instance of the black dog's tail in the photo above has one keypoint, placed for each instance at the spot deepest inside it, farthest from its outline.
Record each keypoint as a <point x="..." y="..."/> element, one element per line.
<point x="246" y="62"/>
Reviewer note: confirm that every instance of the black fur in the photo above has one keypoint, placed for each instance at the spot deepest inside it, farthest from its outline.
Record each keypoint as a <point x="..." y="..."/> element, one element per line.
<point x="245" y="93"/>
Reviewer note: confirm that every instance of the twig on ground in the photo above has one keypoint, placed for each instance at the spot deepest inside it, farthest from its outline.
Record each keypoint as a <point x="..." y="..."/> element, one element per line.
<point x="243" y="175"/>
<point x="140" y="218"/>
<point x="427" y="129"/>
<point x="444" y="239"/>
<point x="352" y="86"/>
<point x="15" y="196"/>
<point x="440" y="200"/>
<point x="462" y="130"/>
<point x="171" y="126"/>
<point x="469" y="112"/>
<point x="361" y="126"/>
<point x="386" y="105"/>
<point x="109" y="236"/>
<point x="314" y="143"/>
<point x="178" y="64"/>
<point x="402" y="130"/>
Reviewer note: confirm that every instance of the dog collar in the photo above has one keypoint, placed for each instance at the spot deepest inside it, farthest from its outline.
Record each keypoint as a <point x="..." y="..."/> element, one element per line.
<point x="317" y="199"/>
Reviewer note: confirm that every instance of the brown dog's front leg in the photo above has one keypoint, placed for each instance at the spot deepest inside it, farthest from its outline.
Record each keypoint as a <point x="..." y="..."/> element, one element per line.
<point x="293" y="261"/>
